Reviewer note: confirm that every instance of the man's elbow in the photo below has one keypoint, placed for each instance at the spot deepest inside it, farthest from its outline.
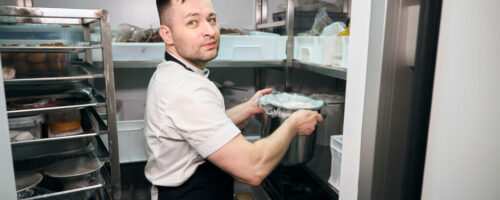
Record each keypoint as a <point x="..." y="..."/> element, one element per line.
<point x="253" y="181"/>
<point x="253" y="177"/>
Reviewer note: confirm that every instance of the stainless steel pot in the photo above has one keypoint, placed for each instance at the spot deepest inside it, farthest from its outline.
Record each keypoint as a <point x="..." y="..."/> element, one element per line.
<point x="334" y="108"/>
<point x="278" y="107"/>
<point x="301" y="147"/>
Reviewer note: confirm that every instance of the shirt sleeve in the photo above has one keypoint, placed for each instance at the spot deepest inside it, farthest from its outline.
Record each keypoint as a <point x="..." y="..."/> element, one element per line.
<point x="197" y="112"/>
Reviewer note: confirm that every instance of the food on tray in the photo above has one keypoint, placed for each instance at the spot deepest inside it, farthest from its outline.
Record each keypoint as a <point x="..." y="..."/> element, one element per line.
<point x="6" y="56"/>
<point x="37" y="57"/>
<point x="55" y="57"/>
<point x="57" y="67"/>
<point x="8" y="73"/>
<point x="18" y="56"/>
<point x="32" y="103"/>
<point x="20" y="136"/>
<point x="25" y="128"/>
<point x="65" y="122"/>
<point x="21" y="67"/>
<point x="65" y="125"/>
<point x="56" y="44"/>
<point x="39" y="68"/>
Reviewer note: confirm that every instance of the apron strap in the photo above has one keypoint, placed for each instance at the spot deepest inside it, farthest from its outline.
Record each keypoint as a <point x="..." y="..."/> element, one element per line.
<point x="169" y="57"/>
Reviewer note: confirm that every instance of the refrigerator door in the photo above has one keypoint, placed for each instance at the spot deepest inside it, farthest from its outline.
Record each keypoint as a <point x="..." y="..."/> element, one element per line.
<point x="400" y="71"/>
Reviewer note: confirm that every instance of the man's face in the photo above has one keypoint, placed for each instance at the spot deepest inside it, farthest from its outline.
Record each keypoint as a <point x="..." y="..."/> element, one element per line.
<point x="194" y="29"/>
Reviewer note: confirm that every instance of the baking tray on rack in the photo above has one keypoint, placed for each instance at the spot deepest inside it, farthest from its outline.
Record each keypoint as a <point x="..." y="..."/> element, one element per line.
<point x="48" y="49"/>
<point x="71" y="72"/>
<point x="92" y="126"/>
<point x="91" y="191"/>
<point x="39" y="98"/>
<point x="48" y="189"/>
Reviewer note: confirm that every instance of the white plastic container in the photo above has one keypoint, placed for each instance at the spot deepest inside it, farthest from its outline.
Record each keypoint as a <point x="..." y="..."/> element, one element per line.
<point x="336" y="151"/>
<point x="307" y="49"/>
<point x="322" y="50"/>
<point x="130" y="141"/>
<point x="25" y="128"/>
<point x="134" y="51"/>
<point x="252" y="48"/>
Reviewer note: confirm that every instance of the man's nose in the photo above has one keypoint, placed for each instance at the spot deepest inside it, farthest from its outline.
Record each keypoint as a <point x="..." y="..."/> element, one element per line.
<point x="209" y="29"/>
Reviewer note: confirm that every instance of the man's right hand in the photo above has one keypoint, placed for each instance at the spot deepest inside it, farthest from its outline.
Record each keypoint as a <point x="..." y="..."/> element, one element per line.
<point x="305" y="121"/>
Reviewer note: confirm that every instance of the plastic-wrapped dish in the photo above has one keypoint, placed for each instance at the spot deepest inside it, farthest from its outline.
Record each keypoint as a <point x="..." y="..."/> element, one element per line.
<point x="25" y="128"/>
<point x="284" y="104"/>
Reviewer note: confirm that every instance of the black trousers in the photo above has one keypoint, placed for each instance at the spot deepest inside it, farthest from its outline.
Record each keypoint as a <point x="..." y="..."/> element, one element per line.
<point x="207" y="183"/>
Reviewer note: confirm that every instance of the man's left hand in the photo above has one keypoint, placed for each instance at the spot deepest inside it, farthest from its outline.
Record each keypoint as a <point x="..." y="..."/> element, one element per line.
<point x="253" y="107"/>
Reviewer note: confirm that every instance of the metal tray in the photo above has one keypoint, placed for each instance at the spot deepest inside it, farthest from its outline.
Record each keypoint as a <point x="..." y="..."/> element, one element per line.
<point x="73" y="72"/>
<point x="103" y="181"/>
<point x="92" y="126"/>
<point x="76" y="96"/>
<point x="47" y="49"/>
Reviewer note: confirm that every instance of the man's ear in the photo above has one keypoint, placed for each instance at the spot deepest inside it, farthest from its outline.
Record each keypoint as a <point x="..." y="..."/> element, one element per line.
<point x="166" y="34"/>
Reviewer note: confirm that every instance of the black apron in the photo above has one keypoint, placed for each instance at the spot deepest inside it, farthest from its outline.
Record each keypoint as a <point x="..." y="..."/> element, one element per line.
<point x="207" y="183"/>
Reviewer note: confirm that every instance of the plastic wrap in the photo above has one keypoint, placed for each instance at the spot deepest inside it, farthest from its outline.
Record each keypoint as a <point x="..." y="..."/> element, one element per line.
<point x="320" y="22"/>
<point x="284" y="104"/>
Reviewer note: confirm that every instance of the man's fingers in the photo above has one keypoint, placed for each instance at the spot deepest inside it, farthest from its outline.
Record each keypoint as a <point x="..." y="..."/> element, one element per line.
<point x="319" y="117"/>
<point x="266" y="91"/>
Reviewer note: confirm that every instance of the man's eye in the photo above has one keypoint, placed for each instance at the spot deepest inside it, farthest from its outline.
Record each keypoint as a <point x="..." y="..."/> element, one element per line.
<point x="212" y="20"/>
<point x="192" y="23"/>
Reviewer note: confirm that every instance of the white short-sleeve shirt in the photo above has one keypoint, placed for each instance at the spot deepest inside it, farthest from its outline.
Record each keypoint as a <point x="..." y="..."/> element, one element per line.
<point x="185" y="122"/>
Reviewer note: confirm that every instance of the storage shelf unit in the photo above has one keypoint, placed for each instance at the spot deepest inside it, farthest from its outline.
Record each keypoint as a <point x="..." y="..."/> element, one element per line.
<point x="103" y="183"/>
<point x="78" y="72"/>
<point x="47" y="49"/>
<point x="75" y="72"/>
<point x="315" y="168"/>
<point x="95" y="100"/>
<point x="335" y="72"/>
<point x="100" y="128"/>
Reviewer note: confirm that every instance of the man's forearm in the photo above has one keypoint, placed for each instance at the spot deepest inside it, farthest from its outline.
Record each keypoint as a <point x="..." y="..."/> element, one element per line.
<point x="274" y="147"/>
<point x="239" y="113"/>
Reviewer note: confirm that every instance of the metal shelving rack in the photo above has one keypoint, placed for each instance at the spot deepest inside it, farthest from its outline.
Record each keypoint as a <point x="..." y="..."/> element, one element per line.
<point x="316" y="167"/>
<point x="261" y="20"/>
<point x="12" y="15"/>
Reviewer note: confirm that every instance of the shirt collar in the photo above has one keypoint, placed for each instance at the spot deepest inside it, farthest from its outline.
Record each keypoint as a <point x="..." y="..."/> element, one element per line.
<point x="203" y="72"/>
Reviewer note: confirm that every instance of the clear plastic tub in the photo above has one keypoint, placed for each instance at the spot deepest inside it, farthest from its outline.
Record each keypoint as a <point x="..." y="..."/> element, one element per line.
<point x="336" y="151"/>
<point x="26" y="128"/>
<point x="66" y="122"/>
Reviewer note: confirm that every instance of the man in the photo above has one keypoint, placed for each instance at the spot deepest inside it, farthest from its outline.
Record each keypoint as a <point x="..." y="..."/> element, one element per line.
<point x="193" y="145"/>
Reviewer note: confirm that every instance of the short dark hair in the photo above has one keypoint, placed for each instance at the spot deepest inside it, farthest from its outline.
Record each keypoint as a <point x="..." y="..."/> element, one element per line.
<point x="162" y="5"/>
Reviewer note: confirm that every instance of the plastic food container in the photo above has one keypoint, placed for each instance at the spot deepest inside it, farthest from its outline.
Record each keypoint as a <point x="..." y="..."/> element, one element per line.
<point x="252" y="48"/>
<point x="336" y="150"/>
<point x="25" y="128"/>
<point x="66" y="122"/>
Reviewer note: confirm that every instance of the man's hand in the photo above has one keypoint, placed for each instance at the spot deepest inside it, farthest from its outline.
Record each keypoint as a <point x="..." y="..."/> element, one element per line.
<point x="245" y="110"/>
<point x="305" y="121"/>
<point x="253" y="107"/>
